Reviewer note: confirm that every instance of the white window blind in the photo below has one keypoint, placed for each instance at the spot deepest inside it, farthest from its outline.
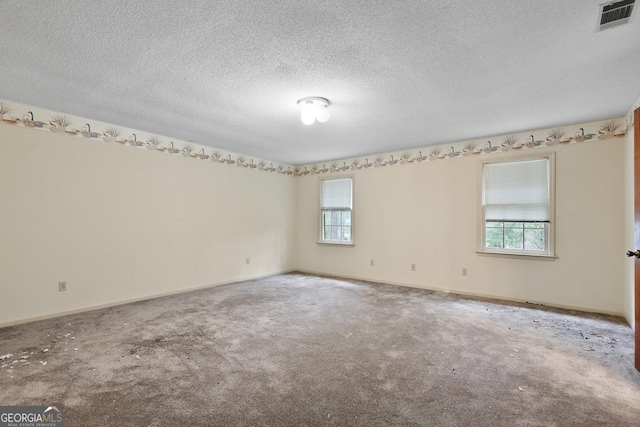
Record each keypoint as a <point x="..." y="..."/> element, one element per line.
<point x="336" y="194"/>
<point x="517" y="191"/>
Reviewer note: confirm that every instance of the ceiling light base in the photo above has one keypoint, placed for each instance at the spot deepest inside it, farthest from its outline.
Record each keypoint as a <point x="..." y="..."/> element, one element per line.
<point x="314" y="100"/>
<point x="314" y="108"/>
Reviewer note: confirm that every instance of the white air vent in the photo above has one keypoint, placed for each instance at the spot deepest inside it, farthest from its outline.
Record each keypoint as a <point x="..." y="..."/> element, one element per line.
<point x="614" y="14"/>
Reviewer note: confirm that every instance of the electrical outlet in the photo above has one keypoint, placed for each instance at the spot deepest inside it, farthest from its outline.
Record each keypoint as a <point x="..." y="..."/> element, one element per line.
<point x="464" y="271"/>
<point x="62" y="286"/>
<point x="413" y="267"/>
<point x="247" y="261"/>
<point x="372" y="263"/>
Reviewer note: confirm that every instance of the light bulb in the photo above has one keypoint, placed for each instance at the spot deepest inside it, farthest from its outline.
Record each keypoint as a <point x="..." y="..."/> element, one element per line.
<point x="323" y="114"/>
<point x="314" y="109"/>
<point x="308" y="114"/>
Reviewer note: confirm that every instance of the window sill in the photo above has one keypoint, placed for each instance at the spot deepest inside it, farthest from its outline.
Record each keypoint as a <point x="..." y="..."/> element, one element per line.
<point x="345" y="244"/>
<point x="517" y="256"/>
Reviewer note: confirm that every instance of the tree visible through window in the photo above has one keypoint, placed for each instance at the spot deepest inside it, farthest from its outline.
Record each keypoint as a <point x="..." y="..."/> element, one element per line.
<point x="528" y="236"/>
<point x="336" y="202"/>
<point x="517" y="206"/>
<point x="336" y="225"/>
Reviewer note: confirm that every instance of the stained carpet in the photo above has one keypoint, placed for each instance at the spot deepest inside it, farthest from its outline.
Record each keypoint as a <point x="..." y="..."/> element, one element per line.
<point x="300" y="350"/>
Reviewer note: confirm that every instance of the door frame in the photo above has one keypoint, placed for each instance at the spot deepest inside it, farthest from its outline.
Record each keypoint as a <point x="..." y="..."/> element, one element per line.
<point x="636" y="190"/>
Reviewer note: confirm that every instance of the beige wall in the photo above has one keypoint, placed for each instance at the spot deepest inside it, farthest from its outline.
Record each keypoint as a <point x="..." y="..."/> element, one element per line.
<point x="120" y="223"/>
<point x="426" y="213"/>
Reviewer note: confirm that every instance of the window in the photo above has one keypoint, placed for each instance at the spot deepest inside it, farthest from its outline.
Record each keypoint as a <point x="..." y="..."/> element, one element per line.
<point x="336" y="210"/>
<point x="517" y="207"/>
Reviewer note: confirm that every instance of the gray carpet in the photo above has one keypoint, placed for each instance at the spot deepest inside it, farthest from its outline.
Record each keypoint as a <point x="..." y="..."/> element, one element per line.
<point x="298" y="350"/>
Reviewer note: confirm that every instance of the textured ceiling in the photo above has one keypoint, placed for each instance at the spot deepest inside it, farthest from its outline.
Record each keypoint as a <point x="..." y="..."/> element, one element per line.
<point x="399" y="74"/>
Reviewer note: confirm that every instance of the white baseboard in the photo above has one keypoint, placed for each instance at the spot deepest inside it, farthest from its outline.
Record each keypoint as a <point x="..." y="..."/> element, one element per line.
<point x="629" y="319"/>
<point x="128" y="301"/>
<point x="472" y="294"/>
<point x="318" y="273"/>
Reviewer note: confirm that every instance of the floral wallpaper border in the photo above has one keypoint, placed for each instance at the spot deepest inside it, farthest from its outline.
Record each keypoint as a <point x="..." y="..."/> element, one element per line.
<point x="594" y="131"/>
<point x="14" y="114"/>
<point x="61" y="123"/>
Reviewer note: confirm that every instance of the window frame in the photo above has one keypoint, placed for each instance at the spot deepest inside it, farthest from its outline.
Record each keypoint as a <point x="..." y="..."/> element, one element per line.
<point x="319" y="210"/>
<point x="549" y="252"/>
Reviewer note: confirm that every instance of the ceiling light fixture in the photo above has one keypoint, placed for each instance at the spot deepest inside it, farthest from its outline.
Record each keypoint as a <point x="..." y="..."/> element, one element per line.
<point x="314" y="109"/>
